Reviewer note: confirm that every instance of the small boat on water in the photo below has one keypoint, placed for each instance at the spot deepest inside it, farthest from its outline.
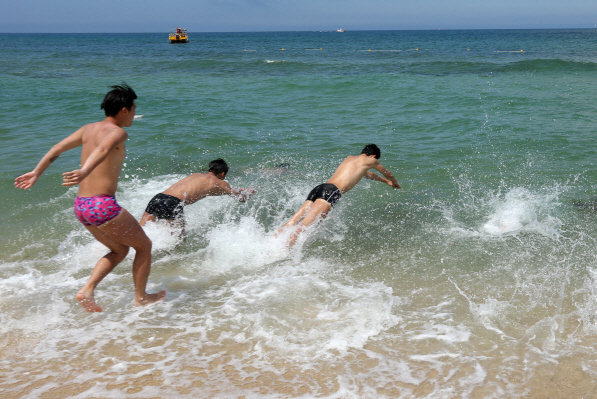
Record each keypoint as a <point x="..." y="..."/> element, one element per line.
<point x="341" y="30"/>
<point x="179" y="36"/>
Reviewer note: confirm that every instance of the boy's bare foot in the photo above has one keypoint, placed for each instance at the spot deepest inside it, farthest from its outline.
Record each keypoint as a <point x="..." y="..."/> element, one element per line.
<point x="88" y="302"/>
<point x="148" y="299"/>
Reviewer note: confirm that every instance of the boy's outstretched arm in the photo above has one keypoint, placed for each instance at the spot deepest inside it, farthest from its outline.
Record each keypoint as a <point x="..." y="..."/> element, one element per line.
<point x="243" y="194"/>
<point x="28" y="179"/>
<point x="373" y="176"/>
<point x="389" y="177"/>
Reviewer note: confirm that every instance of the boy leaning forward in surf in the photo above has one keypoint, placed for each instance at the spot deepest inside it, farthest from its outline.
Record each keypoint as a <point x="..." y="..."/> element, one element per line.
<point x="323" y="197"/>
<point x="102" y="155"/>
<point x="169" y="204"/>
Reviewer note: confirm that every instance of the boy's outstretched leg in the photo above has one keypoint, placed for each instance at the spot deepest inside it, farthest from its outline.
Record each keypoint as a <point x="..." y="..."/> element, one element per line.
<point x="296" y="217"/>
<point x="318" y="210"/>
<point x="103" y="267"/>
<point x="125" y="231"/>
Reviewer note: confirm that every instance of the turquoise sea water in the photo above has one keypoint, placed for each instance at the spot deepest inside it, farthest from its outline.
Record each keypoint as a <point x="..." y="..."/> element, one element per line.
<point x="476" y="280"/>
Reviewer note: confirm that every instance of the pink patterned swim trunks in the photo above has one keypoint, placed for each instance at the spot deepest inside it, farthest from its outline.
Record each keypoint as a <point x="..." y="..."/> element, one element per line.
<point x="95" y="211"/>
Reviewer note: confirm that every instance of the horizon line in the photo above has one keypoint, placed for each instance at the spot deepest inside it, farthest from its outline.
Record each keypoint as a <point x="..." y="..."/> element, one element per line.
<point x="302" y="31"/>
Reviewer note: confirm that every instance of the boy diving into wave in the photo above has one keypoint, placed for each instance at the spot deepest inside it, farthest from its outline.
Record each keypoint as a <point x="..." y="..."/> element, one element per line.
<point x="323" y="197"/>
<point x="169" y="204"/>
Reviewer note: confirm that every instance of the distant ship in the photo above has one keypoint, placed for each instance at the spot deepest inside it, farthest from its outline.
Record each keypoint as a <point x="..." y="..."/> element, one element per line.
<point x="341" y="30"/>
<point x="180" y="36"/>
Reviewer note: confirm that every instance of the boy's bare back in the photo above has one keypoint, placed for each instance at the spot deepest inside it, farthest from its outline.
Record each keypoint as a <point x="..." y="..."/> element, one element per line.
<point x="101" y="137"/>
<point x="354" y="168"/>
<point x="102" y="154"/>
<point x="198" y="186"/>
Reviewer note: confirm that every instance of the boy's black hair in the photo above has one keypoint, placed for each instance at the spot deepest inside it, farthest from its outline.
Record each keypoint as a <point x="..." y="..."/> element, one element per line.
<point x="372" y="149"/>
<point x="121" y="96"/>
<point x="218" y="166"/>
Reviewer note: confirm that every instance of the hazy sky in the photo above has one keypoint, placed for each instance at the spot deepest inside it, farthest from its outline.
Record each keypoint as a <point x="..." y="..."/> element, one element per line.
<point x="274" y="15"/>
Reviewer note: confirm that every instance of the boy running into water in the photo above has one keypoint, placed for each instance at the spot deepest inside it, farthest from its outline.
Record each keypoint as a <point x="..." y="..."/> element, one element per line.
<point x="323" y="197"/>
<point x="169" y="205"/>
<point x="102" y="154"/>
